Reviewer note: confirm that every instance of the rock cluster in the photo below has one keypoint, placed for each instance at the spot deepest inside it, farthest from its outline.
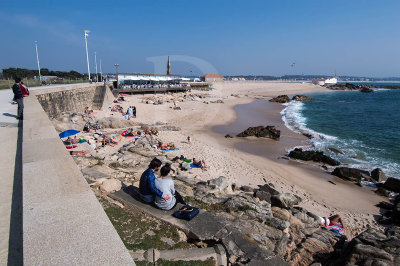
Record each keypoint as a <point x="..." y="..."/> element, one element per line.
<point x="350" y="86"/>
<point x="261" y="131"/>
<point x="280" y="99"/>
<point x="301" y="98"/>
<point x="316" y="156"/>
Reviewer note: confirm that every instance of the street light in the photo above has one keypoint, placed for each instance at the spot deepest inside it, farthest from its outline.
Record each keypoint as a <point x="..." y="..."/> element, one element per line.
<point x="87" y="55"/>
<point x="38" y="65"/>
<point x="95" y="62"/>
<point x="116" y="73"/>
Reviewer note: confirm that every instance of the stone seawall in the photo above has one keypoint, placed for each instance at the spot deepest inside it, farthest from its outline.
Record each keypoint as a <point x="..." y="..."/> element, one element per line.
<point x="74" y="99"/>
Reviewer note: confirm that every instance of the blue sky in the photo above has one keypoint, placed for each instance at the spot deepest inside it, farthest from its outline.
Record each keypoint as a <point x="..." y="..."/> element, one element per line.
<point x="232" y="37"/>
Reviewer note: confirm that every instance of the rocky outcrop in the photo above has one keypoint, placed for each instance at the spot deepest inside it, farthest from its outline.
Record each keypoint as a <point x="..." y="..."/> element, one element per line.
<point x="372" y="247"/>
<point x="366" y="90"/>
<point x="114" y="122"/>
<point x="316" y="156"/>
<point x="351" y="174"/>
<point x="392" y="184"/>
<point x="280" y="99"/>
<point x="301" y="98"/>
<point x="350" y="86"/>
<point x="285" y="200"/>
<point x="378" y="175"/>
<point x="261" y="132"/>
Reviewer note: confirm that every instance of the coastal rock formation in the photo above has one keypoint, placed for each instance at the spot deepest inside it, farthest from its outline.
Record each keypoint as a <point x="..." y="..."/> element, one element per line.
<point x="316" y="156"/>
<point x="372" y="247"/>
<point x="260" y="131"/>
<point x="280" y="99"/>
<point x="392" y="184"/>
<point x="114" y="122"/>
<point x="351" y="174"/>
<point x="285" y="200"/>
<point x="301" y="98"/>
<point x="378" y="175"/>
<point x="366" y="90"/>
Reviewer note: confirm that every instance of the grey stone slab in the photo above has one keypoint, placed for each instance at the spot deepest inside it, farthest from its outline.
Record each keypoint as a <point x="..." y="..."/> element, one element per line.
<point x="71" y="231"/>
<point x="39" y="133"/>
<point x="94" y="173"/>
<point x="43" y="149"/>
<point x="47" y="180"/>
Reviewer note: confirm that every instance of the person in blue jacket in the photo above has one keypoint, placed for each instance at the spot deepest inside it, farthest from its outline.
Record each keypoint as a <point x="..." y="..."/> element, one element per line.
<point x="147" y="187"/>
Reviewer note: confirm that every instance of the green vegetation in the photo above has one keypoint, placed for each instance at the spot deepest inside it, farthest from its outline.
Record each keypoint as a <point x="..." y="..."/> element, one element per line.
<point x="11" y="73"/>
<point x="139" y="231"/>
<point x="118" y="165"/>
<point x="7" y="84"/>
<point x="208" y="207"/>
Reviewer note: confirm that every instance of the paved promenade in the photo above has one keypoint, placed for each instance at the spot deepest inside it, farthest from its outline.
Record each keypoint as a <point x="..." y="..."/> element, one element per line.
<point x="48" y="213"/>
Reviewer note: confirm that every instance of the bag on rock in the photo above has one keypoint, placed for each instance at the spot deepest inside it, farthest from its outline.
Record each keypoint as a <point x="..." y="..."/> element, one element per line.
<point x="187" y="212"/>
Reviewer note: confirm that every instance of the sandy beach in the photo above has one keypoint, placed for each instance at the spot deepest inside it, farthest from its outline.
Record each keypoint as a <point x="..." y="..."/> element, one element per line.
<point x="253" y="161"/>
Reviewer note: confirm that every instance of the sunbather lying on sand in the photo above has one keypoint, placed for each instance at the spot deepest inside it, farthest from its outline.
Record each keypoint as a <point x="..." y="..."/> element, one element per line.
<point x="199" y="163"/>
<point x="70" y="140"/>
<point x="107" y="140"/>
<point x="333" y="220"/>
<point x="151" y="131"/>
<point x="166" y="146"/>
<point x="78" y="153"/>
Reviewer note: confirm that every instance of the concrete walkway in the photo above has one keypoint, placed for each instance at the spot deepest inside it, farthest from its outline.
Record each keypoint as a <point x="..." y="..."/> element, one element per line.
<point x="48" y="214"/>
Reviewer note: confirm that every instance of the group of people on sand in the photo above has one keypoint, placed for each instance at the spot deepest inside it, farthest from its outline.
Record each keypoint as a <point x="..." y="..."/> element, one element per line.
<point x="160" y="189"/>
<point x="130" y="112"/>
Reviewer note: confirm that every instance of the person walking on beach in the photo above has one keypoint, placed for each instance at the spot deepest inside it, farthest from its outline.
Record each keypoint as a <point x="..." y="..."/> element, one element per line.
<point x="189" y="140"/>
<point x="134" y="111"/>
<point x="147" y="187"/>
<point x="19" y="98"/>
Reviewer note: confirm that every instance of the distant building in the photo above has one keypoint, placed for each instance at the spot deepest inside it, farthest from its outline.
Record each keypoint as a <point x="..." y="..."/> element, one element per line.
<point x="169" y="72"/>
<point x="49" y="78"/>
<point x="323" y="81"/>
<point x="212" y="77"/>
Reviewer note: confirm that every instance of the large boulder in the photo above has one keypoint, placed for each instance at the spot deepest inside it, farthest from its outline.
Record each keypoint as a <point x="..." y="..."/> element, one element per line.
<point x="260" y="131"/>
<point x="392" y="184"/>
<point x="316" y="156"/>
<point x="268" y="188"/>
<point x="221" y="184"/>
<point x="301" y="98"/>
<point x="378" y="175"/>
<point x="114" y="122"/>
<point x="110" y="185"/>
<point x="280" y="99"/>
<point x="285" y="200"/>
<point x="351" y="174"/>
<point x="366" y="90"/>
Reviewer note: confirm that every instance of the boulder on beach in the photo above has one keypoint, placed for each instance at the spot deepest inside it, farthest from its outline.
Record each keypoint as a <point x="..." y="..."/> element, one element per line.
<point x="285" y="200"/>
<point x="351" y="174"/>
<point x="280" y="99"/>
<point x="316" y="156"/>
<point x="392" y="184"/>
<point x="301" y="98"/>
<point x="366" y="90"/>
<point x="260" y="131"/>
<point x="378" y="175"/>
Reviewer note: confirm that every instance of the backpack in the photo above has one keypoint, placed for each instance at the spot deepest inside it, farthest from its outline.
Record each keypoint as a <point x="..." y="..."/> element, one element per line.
<point x="187" y="212"/>
<point x="24" y="90"/>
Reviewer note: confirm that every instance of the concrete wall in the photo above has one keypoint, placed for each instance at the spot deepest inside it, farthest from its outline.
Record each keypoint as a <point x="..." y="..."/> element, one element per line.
<point x="74" y="99"/>
<point x="63" y="223"/>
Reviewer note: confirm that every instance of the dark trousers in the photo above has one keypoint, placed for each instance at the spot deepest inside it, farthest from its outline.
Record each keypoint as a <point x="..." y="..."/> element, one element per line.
<point x="179" y="198"/>
<point x="20" y="103"/>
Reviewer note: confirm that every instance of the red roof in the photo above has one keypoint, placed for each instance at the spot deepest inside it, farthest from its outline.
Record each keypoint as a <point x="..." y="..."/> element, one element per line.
<point x="320" y="79"/>
<point x="213" y="75"/>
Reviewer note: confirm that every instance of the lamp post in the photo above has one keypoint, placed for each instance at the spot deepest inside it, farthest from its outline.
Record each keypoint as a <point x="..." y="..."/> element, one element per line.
<point x="87" y="55"/>
<point x="116" y="73"/>
<point x="38" y="65"/>
<point x="95" y="62"/>
<point x="101" y="72"/>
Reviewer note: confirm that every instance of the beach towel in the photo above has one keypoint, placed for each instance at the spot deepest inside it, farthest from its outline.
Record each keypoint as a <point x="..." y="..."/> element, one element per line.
<point x="336" y="229"/>
<point x="82" y="140"/>
<point x="195" y="166"/>
<point x="173" y="149"/>
<point x="71" y="147"/>
<point x="125" y="131"/>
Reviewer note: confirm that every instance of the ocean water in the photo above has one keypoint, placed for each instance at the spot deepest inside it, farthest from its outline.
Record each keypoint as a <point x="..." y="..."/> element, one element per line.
<point x="365" y="127"/>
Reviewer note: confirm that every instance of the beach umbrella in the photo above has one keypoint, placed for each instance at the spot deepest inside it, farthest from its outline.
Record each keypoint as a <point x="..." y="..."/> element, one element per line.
<point x="69" y="132"/>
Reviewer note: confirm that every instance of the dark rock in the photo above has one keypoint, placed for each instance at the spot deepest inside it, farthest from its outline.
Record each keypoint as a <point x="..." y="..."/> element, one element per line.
<point x="228" y="136"/>
<point x="280" y="99"/>
<point x="350" y="174"/>
<point x="247" y="189"/>
<point x="382" y="192"/>
<point x="378" y="175"/>
<point x="366" y="90"/>
<point x="301" y="98"/>
<point x="392" y="184"/>
<point x="285" y="200"/>
<point x="335" y="150"/>
<point x="263" y="195"/>
<point x="316" y="156"/>
<point x="268" y="188"/>
<point x="260" y="131"/>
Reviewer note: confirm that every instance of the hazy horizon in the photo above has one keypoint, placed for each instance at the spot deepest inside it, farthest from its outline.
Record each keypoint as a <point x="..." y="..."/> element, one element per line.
<point x="229" y="37"/>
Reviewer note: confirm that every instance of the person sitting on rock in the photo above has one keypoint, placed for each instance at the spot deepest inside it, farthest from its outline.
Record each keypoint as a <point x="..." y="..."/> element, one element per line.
<point x="147" y="187"/>
<point x="166" y="185"/>
<point x="87" y="111"/>
<point x="333" y="220"/>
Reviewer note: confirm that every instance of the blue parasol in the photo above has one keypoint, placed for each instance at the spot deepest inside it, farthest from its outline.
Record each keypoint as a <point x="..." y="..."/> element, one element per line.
<point x="69" y="132"/>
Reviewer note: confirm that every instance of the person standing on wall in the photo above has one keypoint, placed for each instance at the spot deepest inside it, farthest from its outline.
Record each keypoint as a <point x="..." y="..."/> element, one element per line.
<point x="18" y="97"/>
